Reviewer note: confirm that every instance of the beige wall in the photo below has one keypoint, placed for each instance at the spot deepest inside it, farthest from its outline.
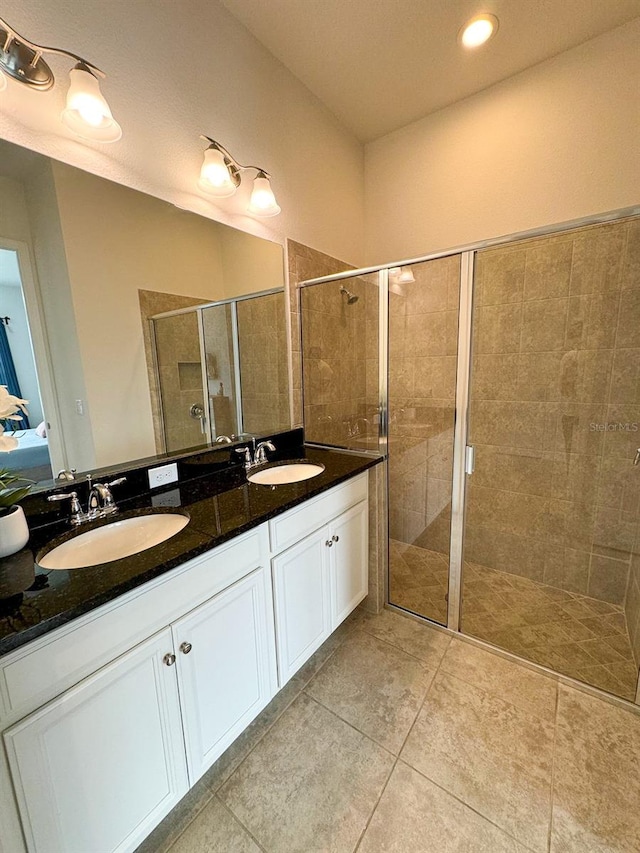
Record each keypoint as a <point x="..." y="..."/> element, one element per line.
<point x="554" y="143"/>
<point x="230" y="88"/>
<point x="137" y="242"/>
<point x="28" y="214"/>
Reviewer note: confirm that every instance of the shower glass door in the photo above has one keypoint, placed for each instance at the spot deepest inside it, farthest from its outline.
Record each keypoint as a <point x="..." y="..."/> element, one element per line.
<point x="423" y="338"/>
<point x="552" y="531"/>
<point x="221" y="369"/>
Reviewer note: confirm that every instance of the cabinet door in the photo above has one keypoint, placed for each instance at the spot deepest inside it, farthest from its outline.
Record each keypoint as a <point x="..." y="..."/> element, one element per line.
<point x="99" y="767"/>
<point x="349" y="561"/>
<point x="302" y="601"/>
<point x="226" y="668"/>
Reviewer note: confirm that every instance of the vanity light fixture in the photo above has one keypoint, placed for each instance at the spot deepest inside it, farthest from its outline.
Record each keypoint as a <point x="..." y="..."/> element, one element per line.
<point x="478" y="30"/>
<point x="86" y="113"/>
<point x="220" y="176"/>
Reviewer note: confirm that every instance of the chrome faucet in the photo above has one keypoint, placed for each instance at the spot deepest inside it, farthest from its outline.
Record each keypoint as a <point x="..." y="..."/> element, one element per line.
<point x="101" y="502"/>
<point x="99" y="505"/>
<point x="259" y="456"/>
<point x="261" y="452"/>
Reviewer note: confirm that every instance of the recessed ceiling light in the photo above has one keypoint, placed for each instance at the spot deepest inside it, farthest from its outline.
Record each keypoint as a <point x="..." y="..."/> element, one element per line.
<point x="478" y="30"/>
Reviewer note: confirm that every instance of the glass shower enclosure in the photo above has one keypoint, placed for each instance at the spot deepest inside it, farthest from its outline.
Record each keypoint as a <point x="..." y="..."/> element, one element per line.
<point x="509" y="411"/>
<point x="221" y="369"/>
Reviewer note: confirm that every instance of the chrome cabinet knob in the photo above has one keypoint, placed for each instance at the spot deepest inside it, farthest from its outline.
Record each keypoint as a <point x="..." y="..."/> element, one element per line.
<point x="185" y="648"/>
<point x="335" y="538"/>
<point x="169" y="659"/>
<point x="329" y="543"/>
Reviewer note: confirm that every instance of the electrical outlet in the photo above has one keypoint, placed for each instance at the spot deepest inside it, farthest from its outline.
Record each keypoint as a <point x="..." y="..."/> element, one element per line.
<point x="163" y="475"/>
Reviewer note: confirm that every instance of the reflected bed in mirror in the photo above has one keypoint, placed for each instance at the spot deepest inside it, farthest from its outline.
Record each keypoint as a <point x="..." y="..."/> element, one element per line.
<point x="97" y="260"/>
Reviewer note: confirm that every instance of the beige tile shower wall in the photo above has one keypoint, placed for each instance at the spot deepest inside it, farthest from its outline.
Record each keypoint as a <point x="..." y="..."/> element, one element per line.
<point x="555" y="409"/>
<point x="423" y="329"/>
<point x="264" y="368"/>
<point x="153" y="302"/>
<point x="336" y="356"/>
<point x="304" y="263"/>
<point x="180" y="374"/>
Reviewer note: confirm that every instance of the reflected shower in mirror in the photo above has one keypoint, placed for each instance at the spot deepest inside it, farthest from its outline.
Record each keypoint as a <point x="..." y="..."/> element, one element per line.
<point x="102" y="259"/>
<point x="219" y="371"/>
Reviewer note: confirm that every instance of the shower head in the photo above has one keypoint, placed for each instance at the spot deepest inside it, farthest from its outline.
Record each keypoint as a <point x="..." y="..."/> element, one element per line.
<point x="351" y="297"/>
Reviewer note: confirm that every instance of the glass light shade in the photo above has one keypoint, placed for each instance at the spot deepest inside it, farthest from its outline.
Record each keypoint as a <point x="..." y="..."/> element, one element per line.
<point x="215" y="177"/>
<point x="263" y="202"/>
<point x="406" y="276"/>
<point x="401" y="275"/>
<point x="479" y="30"/>
<point x="87" y="113"/>
<point x="3" y="81"/>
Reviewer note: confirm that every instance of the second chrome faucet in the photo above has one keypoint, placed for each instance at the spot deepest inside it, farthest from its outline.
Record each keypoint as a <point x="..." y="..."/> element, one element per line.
<point x="259" y="456"/>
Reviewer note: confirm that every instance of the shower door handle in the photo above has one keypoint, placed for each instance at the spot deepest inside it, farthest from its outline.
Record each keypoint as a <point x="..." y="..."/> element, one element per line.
<point x="469" y="459"/>
<point x="636" y="461"/>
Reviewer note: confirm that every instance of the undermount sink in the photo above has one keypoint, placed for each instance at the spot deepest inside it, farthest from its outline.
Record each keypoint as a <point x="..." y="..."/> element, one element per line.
<point x="113" y="541"/>
<point x="287" y="472"/>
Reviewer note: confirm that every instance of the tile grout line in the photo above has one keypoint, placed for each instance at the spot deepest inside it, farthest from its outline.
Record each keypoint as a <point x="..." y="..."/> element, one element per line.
<point x="466" y="805"/>
<point x="553" y="768"/>
<point x="397" y="758"/>
<point x="215" y="790"/>
<point x="437" y="784"/>
<point x="239" y="822"/>
<point x="191" y="820"/>
<point x="347" y="723"/>
<point x="401" y="649"/>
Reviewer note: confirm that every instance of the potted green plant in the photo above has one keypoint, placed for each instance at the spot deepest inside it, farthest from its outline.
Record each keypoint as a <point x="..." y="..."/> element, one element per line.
<point x="14" y="532"/>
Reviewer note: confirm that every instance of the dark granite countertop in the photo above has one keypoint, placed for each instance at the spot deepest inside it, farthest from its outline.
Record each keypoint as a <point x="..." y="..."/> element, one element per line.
<point x="221" y="506"/>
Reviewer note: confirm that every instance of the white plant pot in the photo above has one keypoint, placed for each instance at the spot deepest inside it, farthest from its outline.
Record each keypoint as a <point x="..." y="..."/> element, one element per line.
<point x="14" y="531"/>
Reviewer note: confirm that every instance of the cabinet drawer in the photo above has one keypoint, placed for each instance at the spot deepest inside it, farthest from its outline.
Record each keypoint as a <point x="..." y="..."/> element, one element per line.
<point x="45" y="668"/>
<point x="297" y="523"/>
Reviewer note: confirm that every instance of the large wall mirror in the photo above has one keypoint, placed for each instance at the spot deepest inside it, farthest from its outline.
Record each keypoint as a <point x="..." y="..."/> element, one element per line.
<point x="84" y="265"/>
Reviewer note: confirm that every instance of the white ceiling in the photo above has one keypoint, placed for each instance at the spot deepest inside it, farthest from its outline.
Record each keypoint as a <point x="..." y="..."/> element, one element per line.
<point x="381" y="64"/>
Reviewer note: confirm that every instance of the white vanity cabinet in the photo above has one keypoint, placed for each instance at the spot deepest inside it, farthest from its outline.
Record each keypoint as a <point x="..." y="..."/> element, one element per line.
<point x="320" y="579"/>
<point x="224" y="653"/>
<point x="109" y="720"/>
<point x="99" y="767"/>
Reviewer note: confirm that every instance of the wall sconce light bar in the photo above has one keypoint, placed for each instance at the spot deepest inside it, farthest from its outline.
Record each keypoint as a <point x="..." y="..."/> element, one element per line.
<point x="87" y="112"/>
<point x="221" y="175"/>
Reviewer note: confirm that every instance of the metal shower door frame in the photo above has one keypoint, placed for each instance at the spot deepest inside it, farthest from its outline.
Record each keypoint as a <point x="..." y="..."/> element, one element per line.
<point x="460" y="441"/>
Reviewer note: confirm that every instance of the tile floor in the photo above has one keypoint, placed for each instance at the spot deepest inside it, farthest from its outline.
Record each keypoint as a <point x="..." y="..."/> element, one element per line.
<point x="395" y="738"/>
<point x="581" y="637"/>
